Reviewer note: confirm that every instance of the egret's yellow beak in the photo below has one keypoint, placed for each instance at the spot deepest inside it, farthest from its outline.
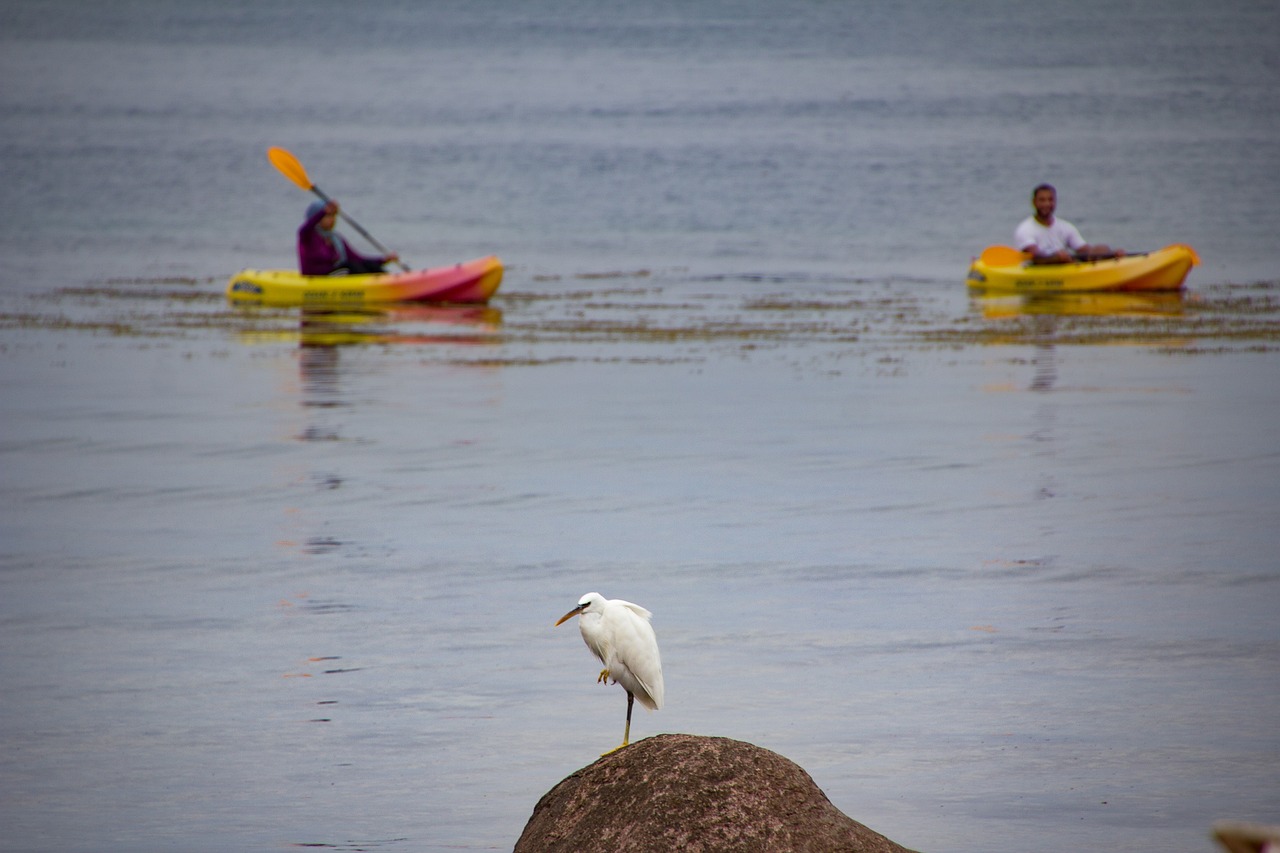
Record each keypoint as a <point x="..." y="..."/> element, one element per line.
<point x="572" y="613"/>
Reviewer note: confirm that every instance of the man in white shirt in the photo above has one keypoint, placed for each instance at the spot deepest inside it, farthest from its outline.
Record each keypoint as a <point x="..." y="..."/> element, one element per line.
<point x="1055" y="241"/>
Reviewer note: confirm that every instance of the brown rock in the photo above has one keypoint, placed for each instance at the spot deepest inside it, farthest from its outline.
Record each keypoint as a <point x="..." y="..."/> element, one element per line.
<point x="1239" y="837"/>
<point x="693" y="794"/>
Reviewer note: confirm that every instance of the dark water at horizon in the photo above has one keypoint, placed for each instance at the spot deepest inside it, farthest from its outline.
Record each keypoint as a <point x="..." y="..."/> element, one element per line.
<point x="999" y="577"/>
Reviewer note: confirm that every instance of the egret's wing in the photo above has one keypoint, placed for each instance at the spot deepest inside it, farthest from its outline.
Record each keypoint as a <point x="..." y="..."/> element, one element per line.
<point x="635" y="608"/>
<point x="636" y="648"/>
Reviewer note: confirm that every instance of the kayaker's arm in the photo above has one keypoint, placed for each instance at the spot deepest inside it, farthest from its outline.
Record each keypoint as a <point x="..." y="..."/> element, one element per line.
<point x="330" y="208"/>
<point x="1090" y="252"/>
<point x="1062" y="257"/>
<point x="1084" y="253"/>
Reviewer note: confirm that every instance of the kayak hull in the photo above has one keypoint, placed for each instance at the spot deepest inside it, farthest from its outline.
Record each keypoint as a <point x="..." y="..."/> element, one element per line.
<point x="1162" y="270"/>
<point x="468" y="282"/>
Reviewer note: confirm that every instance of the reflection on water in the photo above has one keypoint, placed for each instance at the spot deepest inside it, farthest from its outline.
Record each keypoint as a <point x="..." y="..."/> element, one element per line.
<point x="323" y="333"/>
<point x="1080" y="304"/>
<point x="1045" y="418"/>
<point x="1084" y="318"/>
<point x="403" y="324"/>
<point x="1046" y="369"/>
<point x="318" y="374"/>
<point x="318" y="369"/>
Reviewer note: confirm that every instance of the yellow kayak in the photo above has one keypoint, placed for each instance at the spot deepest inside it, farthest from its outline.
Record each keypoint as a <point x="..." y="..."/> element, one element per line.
<point x="468" y="282"/>
<point x="1002" y="269"/>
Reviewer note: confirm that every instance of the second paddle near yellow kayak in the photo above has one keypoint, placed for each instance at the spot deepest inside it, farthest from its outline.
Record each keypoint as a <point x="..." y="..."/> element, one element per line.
<point x="1003" y="269"/>
<point x="469" y="282"/>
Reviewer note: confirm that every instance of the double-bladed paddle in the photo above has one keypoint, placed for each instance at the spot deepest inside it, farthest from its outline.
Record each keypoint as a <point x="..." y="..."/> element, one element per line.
<point x="1007" y="256"/>
<point x="292" y="169"/>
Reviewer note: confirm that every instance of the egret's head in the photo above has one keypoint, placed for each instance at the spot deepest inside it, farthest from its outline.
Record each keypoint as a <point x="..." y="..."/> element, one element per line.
<point x="589" y="603"/>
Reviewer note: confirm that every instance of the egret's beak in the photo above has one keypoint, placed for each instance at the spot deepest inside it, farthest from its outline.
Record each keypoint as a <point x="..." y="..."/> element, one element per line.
<point x="572" y="613"/>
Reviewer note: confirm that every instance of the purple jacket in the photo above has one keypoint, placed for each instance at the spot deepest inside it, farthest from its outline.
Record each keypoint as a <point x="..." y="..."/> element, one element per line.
<point x="317" y="256"/>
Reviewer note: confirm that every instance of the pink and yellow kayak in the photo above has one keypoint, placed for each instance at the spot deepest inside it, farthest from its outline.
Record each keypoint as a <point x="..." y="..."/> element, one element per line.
<point x="1003" y="269"/>
<point x="468" y="282"/>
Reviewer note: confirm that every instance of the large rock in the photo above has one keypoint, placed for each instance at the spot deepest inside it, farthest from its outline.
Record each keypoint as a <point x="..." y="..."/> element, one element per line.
<point x="693" y="794"/>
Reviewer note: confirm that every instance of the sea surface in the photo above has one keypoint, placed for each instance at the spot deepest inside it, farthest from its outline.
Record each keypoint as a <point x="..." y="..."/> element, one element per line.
<point x="1000" y="574"/>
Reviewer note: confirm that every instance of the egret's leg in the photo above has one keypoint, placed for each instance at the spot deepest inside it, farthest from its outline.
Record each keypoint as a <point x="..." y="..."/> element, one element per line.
<point x="626" y="734"/>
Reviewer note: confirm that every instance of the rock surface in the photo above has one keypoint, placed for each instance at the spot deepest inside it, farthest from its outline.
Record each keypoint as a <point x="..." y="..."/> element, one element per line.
<point x="693" y="794"/>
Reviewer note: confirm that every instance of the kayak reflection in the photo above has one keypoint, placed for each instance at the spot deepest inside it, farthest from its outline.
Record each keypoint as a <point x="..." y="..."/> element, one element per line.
<point x="408" y="324"/>
<point x="1143" y="319"/>
<point x="1080" y="304"/>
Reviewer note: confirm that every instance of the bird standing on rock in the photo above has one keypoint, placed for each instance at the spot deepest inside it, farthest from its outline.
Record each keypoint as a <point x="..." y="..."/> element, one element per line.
<point x="619" y="634"/>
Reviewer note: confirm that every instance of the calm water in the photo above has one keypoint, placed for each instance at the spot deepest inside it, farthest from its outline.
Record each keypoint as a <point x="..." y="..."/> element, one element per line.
<point x="999" y="578"/>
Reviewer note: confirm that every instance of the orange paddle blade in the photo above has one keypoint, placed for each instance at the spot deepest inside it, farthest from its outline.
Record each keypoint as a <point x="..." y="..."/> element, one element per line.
<point x="289" y="167"/>
<point x="1002" y="256"/>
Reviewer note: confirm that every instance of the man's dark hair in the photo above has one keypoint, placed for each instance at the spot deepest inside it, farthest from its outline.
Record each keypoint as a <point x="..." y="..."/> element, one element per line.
<point x="1048" y="187"/>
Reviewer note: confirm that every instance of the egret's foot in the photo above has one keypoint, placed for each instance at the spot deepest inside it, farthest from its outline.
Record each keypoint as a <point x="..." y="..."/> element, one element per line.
<point x="604" y="678"/>
<point x="612" y="751"/>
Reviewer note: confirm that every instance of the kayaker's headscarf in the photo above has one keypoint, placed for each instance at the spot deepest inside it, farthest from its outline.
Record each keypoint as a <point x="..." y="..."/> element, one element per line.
<point x="334" y="238"/>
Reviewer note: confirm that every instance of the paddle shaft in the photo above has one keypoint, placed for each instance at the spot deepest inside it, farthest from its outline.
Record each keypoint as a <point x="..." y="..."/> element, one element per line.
<point x="1007" y="256"/>
<point x="356" y="225"/>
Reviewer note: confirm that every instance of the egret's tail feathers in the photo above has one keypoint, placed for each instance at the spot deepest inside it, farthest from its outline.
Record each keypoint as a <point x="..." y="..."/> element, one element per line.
<point x="649" y="697"/>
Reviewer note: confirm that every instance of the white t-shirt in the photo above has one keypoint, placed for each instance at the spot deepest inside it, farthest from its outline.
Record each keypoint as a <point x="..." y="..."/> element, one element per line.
<point x="1059" y="236"/>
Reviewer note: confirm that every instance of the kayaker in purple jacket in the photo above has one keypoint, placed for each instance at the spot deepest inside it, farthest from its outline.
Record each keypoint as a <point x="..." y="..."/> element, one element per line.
<point x="322" y="251"/>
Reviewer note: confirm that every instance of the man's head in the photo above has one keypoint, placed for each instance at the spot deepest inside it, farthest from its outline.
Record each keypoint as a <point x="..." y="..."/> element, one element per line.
<point x="1044" y="199"/>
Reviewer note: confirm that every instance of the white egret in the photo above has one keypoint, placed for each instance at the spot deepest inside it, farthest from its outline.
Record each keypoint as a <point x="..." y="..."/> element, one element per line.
<point x="618" y="632"/>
